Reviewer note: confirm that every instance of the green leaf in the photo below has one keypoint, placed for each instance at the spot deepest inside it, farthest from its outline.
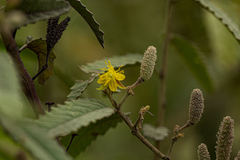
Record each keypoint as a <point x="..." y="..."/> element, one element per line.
<point x="219" y="14"/>
<point x="156" y="134"/>
<point x="39" y="46"/>
<point x="34" y="139"/>
<point x="40" y="9"/>
<point x="73" y="115"/>
<point x="79" y="87"/>
<point x="88" y="17"/>
<point x="86" y="135"/>
<point x="12" y="102"/>
<point x="194" y="59"/>
<point x="116" y="61"/>
<point x="10" y="150"/>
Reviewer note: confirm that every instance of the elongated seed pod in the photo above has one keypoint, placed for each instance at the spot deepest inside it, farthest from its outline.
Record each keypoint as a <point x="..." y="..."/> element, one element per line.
<point x="55" y="31"/>
<point x="238" y="156"/>
<point x="203" y="153"/>
<point x="225" y="137"/>
<point x="196" y="106"/>
<point x="148" y="63"/>
<point x="51" y="31"/>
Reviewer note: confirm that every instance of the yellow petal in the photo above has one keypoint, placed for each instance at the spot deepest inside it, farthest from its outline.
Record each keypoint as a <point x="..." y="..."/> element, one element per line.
<point x="102" y="87"/>
<point x="111" y="69"/>
<point x="107" y="81"/>
<point x="119" y="76"/>
<point x="101" y="80"/>
<point x="113" y="85"/>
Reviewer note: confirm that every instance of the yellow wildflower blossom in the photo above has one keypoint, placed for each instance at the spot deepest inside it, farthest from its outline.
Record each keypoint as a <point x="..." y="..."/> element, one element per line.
<point x="111" y="78"/>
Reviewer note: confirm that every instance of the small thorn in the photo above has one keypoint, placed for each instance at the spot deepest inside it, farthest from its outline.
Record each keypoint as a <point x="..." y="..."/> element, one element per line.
<point x="73" y="135"/>
<point x="49" y="105"/>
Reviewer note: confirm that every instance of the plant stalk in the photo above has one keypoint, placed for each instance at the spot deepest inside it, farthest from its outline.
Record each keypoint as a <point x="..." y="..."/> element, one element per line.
<point x="27" y="83"/>
<point x="135" y="131"/>
<point x="163" y="71"/>
<point x="140" y="137"/>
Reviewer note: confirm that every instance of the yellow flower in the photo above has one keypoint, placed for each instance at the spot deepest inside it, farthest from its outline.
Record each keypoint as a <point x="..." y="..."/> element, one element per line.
<point x="111" y="78"/>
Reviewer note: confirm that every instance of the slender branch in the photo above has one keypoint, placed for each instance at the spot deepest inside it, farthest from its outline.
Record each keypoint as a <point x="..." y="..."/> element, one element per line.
<point x="44" y="67"/>
<point x="176" y="136"/>
<point x="127" y="93"/>
<point x="57" y="139"/>
<point x="109" y="93"/>
<point x="140" y="137"/>
<point x="137" y="121"/>
<point x="163" y="71"/>
<point x="137" y="83"/>
<point x="49" y="104"/>
<point x="23" y="47"/>
<point x="73" y="135"/>
<point x="26" y="80"/>
<point x="188" y="124"/>
<point x="135" y="131"/>
<point x="174" y="140"/>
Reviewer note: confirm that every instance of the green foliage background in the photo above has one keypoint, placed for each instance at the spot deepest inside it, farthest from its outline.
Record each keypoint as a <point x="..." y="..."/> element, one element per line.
<point x="131" y="26"/>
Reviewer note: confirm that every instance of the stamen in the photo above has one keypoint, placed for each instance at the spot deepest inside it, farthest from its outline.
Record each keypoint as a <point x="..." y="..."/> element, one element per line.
<point x="119" y="68"/>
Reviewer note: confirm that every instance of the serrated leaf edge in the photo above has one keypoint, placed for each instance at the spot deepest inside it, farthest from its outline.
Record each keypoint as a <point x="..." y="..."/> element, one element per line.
<point x="82" y="67"/>
<point x="89" y="81"/>
<point x="57" y="132"/>
<point x="225" y="20"/>
<point x="111" y="127"/>
<point x="95" y="28"/>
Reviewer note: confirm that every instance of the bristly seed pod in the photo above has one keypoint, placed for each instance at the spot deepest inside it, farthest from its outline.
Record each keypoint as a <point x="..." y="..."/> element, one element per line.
<point x="148" y="63"/>
<point x="51" y="31"/>
<point x="55" y="31"/>
<point x="203" y="153"/>
<point x="225" y="137"/>
<point x="196" y="106"/>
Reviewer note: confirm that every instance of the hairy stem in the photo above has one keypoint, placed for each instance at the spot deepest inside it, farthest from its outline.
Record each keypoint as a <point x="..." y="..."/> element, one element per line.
<point x="26" y="80"/>
<point x="163" y="71"/>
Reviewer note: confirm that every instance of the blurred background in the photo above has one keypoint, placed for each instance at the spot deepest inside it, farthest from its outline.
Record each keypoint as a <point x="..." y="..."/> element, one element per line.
<point x="130" y="27"/>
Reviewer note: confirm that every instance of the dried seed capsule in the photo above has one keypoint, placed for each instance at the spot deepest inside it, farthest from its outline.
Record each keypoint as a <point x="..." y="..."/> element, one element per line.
<point x="203" y="153"/>
<point x="148" y="63"/>
<point x="196" y="106"/>
<point x="55" y="31"/>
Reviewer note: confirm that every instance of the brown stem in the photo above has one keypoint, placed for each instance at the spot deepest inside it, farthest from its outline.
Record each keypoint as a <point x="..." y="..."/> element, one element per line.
<point x="176" y="136"/>
<point x="26" y="80"/>
<point x="135" y="131"/>
<point x="174" y="140"/>
<point x="163" y="71"/>
<point x="140" y="137"/>
<point x="49" y="104"/>
<point x="73" y="135"/>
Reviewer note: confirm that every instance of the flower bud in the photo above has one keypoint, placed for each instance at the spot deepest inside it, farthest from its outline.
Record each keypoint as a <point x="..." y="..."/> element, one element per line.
<point x="148" y="63"/>
<point x="196" y="106"/>
<point x="203" y="153"/>
<point x="225" y="137"/>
